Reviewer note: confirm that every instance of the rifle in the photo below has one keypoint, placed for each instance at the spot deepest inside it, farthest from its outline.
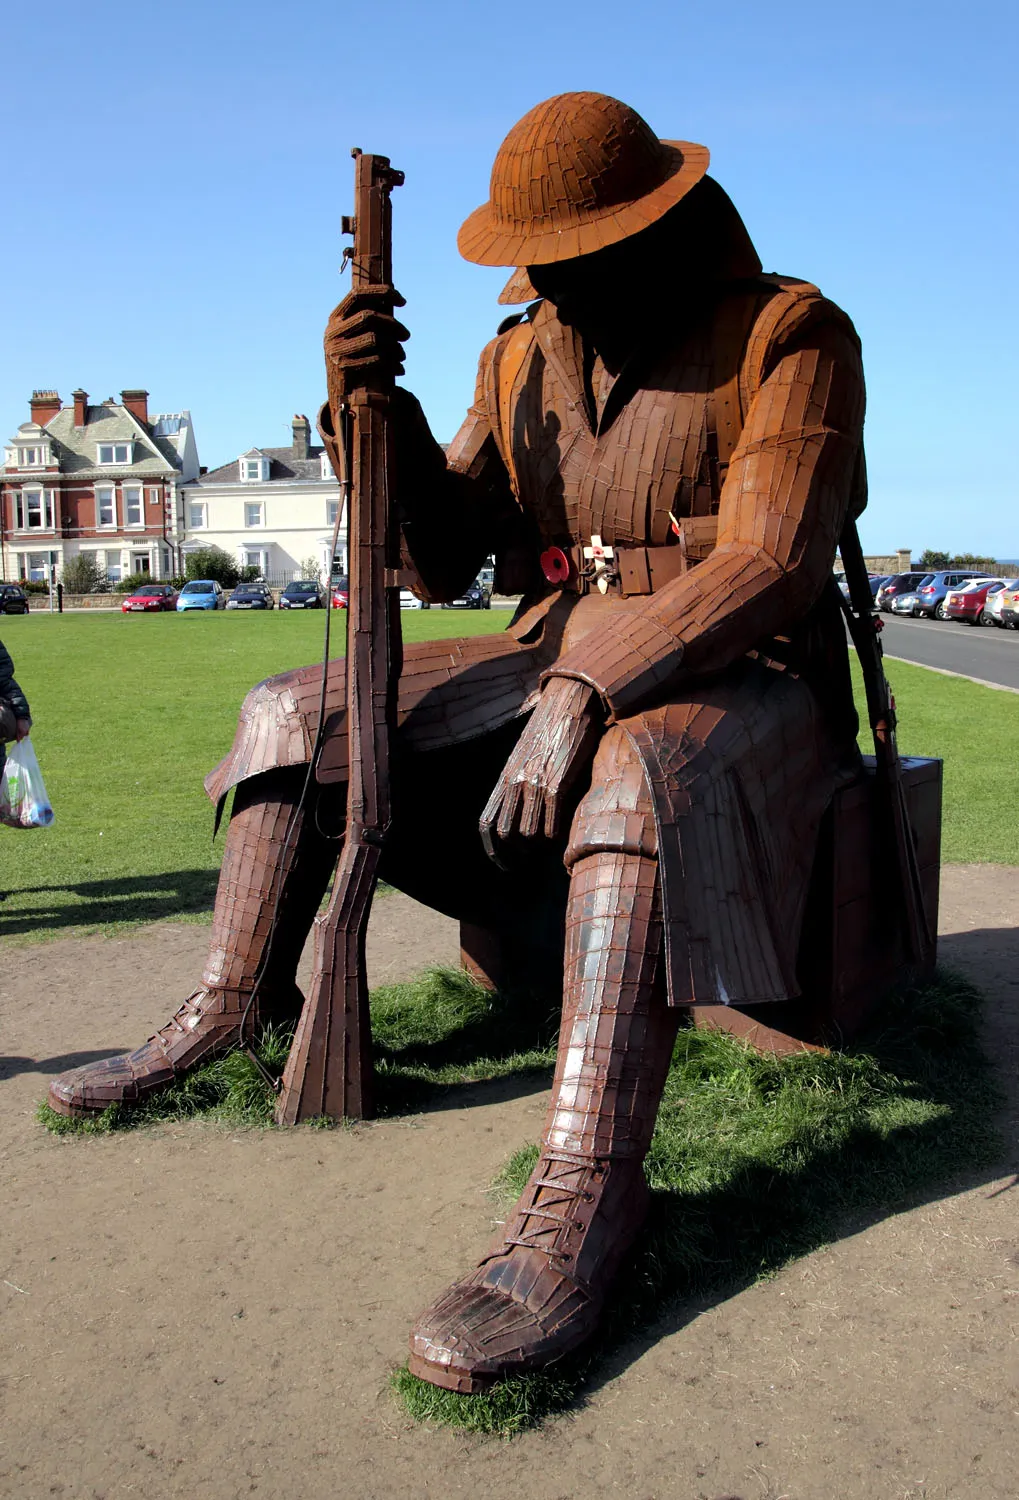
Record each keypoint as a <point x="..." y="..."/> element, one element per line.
<point x="329" y="1070"/>
<point x="864" y="627"/>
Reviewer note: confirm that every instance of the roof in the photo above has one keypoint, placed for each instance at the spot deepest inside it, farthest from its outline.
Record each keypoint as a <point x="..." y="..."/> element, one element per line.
<point x="282" y="466"/>
<point x="75" y="447"/>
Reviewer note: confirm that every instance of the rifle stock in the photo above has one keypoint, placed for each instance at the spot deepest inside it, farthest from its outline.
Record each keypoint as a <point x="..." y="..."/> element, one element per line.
<point x="329" y="1070"/>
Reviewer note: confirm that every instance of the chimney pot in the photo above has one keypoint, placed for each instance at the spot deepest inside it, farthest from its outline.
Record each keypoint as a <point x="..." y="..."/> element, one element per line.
<point x="137" y="403"/>
<point x="80" y="407"/>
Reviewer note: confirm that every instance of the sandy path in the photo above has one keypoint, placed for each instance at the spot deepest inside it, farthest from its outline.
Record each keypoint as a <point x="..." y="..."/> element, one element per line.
<point x="196" y="1312"/>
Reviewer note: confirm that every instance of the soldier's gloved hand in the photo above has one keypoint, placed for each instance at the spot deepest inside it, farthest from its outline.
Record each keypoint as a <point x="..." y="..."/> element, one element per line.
<point x="363" y="337"/>
<point x="554" y="748"/>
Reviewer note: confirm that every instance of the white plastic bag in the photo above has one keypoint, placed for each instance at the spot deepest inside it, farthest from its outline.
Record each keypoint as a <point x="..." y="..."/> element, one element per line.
<point x="23" y="799"/>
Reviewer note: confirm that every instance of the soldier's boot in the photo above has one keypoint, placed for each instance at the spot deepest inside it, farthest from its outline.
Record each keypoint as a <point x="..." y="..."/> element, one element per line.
<point x="539" y="1291"/>
<point x="274" y="856"/>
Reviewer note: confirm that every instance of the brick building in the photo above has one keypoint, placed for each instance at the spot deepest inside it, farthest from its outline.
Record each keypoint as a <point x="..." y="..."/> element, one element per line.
<point x="104" y="479"/>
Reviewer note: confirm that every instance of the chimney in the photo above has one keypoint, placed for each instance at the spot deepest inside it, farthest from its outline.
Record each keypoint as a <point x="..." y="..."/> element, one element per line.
<point x="80" y="407"/>
<point x="44" y="406"/>
<point x="137" y="403"/>
<point x="302" y="432"/>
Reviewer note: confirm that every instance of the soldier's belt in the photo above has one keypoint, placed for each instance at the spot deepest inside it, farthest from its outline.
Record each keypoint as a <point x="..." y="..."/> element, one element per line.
<point x="632" y="570"/>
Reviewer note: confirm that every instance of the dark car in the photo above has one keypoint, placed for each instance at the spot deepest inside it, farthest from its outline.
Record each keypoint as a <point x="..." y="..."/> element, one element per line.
<point x="251" y="596"/>
<point x="478" y="596"/>
<point x="303" y="593"/>
<point x="13" y="601"/>
<point x="899" y="583"/>
<point x="149" y="598"/>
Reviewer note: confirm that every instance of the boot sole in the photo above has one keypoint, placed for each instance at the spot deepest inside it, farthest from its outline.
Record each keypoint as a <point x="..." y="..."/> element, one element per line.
<point x="451" y="1380"/>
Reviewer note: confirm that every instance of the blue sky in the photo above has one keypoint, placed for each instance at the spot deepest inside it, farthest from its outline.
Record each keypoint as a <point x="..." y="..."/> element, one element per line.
<point x="175" y="178"/>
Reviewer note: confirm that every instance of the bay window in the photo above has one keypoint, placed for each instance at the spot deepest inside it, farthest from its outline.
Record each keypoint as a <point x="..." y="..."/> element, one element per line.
<point x="35" y="510"/>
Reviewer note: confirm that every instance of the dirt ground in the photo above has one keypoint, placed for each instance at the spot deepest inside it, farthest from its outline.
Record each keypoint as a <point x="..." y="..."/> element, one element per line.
<point x="198" y="1312"/>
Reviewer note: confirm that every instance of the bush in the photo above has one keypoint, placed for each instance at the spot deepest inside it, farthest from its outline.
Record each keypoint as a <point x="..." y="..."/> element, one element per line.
<point x="212" y="562"/>
<point x="131" y="582"/>
<point x="83" y="575"/>
<point x="34" y="586"/>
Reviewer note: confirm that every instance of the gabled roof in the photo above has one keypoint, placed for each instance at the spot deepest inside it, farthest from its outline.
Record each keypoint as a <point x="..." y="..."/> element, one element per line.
<point x="75" y="447"/>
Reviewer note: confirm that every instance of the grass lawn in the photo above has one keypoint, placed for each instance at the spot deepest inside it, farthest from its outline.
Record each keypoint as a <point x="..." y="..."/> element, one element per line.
<point x="131" y="713"/>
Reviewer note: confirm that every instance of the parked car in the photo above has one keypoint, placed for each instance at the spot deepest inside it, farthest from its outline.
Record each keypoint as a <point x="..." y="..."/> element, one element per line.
<point x="251" y="596"/>
<point x="149" y="598"/>
<point x="303" y="593"/>
<point x="201" y="593"/>
<point x="992" y="609"/>
<point x="967" y="604"/>
<point x="878" y="581"/>
<point x="904" y="604"/>
<point x="341" y="593"/>
<point x="1009" y="607"/>
<point x="410" y="600"/>
<point x="931" y="592"/>
<point x="13" y="600"/>
<point x="477" y="596"/>
<point x="899" y="583"/>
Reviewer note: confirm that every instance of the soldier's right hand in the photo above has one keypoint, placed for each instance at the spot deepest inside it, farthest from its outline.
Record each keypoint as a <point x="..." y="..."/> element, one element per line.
<point x="363" y="337"/>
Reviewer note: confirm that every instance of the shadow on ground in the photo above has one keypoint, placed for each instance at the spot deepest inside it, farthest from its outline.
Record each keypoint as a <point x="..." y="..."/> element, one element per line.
<point x="11" y="1066"/>
<point x="100" y="903"/>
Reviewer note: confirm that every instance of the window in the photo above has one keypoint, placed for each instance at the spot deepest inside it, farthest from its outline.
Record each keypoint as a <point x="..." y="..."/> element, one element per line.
<point x="35" y="566"/>
<point x="140" y="562"/>
<point x="332" y="506"/>
<point x="252" y="468"/>
<point x="153" y="497"/>
<point x="196" y="516"/>
<point x="327" y="468"/>
<point x="114" y="572"/>
<point x="133" y="505"/>
<point x="106" y="505"/>
<point x="115" y="453"/>
<point x="35" y="510"/>
<point x="32" y="458"/>
<point x="256" y="559"/>
<point x="254" y="514"/>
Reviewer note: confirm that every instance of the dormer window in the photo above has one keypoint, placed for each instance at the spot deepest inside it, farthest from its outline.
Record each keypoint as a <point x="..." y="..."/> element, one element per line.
<point x="114" y="453"/>
<point x="254" y="468"/>
<point x="32" y="458"/>
<point x="327" y="468"/>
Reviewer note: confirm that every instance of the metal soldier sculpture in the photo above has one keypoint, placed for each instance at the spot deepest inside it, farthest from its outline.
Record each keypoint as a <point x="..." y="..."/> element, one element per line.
<point x="662" y="454"/>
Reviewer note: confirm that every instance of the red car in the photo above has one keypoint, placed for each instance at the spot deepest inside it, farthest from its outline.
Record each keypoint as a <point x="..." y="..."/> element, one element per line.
<point x="341" y="593"/>
<point x="967" y="604"/>
<point x="151" y="596"/>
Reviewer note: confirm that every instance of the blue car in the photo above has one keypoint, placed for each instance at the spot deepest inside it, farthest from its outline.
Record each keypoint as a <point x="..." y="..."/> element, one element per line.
<point x="930" y="595"/>
<point x="201" y="593"/>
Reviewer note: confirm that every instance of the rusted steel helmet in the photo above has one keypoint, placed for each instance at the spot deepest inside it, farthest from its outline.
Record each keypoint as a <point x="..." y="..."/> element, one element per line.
<point x="577" y="173"/>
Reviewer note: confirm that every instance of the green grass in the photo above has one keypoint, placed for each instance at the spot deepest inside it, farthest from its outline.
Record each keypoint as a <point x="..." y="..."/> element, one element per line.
<point x="130" y="713"/>
<point x="755" y="1160"/>
<point x="975" y="730"/>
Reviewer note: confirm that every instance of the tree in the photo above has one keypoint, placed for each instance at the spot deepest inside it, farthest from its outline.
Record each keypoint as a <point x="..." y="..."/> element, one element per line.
<point x="83" y="575"/>
<point x="970" y="560"/>
<point x="212" y="562"/>
<point x="311" y="570"/>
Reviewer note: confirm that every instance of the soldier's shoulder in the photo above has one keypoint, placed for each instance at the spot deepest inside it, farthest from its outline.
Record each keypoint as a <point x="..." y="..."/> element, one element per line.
<point x="791" y="312"/>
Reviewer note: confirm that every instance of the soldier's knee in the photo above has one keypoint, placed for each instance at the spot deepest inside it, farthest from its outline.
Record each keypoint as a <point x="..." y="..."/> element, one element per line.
<point x="617" y="812"/>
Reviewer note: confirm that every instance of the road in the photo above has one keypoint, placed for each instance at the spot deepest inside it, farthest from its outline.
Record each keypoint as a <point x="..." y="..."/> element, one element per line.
<point x="984" y="652"/>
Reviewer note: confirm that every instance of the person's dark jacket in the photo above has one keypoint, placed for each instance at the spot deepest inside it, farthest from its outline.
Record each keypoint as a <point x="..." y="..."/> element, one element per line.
<point x="10" y="692"/>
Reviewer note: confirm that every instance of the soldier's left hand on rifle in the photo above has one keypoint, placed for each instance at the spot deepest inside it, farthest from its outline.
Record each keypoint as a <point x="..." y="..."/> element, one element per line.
<point x="363" y="337"/>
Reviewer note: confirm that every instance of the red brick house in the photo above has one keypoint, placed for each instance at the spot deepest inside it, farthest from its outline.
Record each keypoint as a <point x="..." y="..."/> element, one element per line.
<point x="104" y="479"/>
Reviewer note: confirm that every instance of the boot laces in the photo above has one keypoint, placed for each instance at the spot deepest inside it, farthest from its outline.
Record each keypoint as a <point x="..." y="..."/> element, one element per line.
<point x="568" y="1195"/>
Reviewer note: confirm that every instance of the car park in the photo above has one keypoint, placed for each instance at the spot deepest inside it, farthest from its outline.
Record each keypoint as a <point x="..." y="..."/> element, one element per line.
<point x="13" y="600"/>
<point x="477" y="596"/>
<point x="201" y="593"/>
<point x="251" y="596"/>
<point x="931" y="592"/>
<point x="149" y="598"/>
<point x="899" y="583"/>
<point x="303" y="593"/>
<point x="966" y="605"/>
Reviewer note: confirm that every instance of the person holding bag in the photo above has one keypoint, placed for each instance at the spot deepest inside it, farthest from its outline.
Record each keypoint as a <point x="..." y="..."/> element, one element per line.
<point x="15" y="716"/>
